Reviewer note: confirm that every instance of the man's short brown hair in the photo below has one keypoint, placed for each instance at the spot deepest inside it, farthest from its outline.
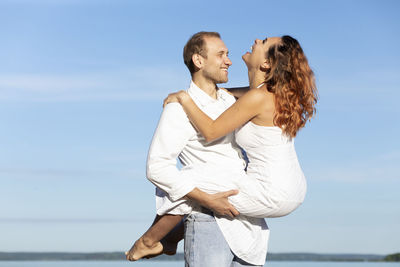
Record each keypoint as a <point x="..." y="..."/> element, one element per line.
<point x="196" y="45"/>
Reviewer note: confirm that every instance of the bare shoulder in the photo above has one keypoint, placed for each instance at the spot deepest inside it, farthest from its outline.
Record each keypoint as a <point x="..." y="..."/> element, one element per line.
<point x="224" y="89"/>
<point x="256" y="95"/>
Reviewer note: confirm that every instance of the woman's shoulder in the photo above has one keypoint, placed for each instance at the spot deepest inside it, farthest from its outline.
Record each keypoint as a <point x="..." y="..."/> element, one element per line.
<point x="259" y="99"/>
<point x="257" y="95"/>
<point x="226" y="91"/>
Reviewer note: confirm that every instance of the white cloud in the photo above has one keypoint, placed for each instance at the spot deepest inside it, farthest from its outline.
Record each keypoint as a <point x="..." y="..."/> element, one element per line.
<point x="72" y="220"/>
<point x="123" y="85"/>
<point x="47" y="173"/>
<point x="52" y="2"/>
<point x="357" y="174"/>
<point x="378" y="168"/>
<point x="361" y="82"/>
<point x="390" y="156"/>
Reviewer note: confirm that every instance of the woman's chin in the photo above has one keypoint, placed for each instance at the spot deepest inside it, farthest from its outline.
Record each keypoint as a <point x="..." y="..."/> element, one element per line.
<point x="245" y="61"/>
<point x="245" y="57"/>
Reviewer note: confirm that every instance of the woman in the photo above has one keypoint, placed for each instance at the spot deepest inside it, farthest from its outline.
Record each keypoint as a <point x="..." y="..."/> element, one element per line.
<point x="281" y="98"/>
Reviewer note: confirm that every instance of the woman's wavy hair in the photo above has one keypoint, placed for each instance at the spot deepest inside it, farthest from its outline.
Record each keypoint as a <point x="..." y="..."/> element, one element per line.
<point x="292" y="81"/>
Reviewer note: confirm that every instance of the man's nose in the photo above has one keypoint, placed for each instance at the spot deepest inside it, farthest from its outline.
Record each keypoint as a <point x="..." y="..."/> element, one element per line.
<point x="228" y="61"/>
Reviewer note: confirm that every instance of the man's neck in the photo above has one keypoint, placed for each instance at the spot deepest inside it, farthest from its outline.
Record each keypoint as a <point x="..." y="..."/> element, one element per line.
<point x="210" y="88"/>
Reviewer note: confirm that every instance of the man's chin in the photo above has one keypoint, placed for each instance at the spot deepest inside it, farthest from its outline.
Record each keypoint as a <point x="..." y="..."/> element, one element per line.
<point x="222" y="81"/>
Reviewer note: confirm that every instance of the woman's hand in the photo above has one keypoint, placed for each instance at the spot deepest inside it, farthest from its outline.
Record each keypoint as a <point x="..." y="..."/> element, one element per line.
<point x="176" y="97"/>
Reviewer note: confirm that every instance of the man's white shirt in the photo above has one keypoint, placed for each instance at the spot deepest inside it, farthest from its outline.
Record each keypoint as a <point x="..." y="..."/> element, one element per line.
<point x="175" y="137"/>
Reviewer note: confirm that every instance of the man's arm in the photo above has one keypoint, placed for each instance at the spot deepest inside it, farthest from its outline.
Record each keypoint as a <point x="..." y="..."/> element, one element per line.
<point x="216" y="202"/>
<point x="171" y="136"/>
<point x="238" y="91"/>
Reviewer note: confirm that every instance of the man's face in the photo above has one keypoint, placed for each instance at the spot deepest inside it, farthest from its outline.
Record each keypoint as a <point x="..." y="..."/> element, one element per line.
<point x="217" y="62"/>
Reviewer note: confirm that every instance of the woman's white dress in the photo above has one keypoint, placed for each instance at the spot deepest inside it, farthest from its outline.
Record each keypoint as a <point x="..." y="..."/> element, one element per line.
<point x="272" y="186"/>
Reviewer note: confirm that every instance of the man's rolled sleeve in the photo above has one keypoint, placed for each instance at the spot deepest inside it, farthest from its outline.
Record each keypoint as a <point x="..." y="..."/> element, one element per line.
<point x="171" y="136"/>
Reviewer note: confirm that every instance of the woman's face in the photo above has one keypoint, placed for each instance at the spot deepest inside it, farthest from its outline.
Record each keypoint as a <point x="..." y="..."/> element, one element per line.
<point x="258" y="55"/>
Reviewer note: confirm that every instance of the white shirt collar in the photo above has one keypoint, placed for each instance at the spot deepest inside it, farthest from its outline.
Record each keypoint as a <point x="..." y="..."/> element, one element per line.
<point x="202" y="98"/>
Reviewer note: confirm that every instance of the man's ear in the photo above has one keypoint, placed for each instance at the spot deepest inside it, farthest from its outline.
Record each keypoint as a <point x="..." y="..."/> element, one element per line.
<point x="198" y="61"/>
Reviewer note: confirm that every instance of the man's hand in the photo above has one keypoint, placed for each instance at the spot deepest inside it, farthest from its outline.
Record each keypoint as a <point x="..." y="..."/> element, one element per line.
<point x="220" y="205"/>
<point x="218" y="202"/>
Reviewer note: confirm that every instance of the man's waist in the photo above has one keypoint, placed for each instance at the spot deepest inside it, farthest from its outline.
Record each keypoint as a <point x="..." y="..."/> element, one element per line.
<point x="200" y="209"/>
<point x="221" y="154"/>
<point x="217" y="166"/>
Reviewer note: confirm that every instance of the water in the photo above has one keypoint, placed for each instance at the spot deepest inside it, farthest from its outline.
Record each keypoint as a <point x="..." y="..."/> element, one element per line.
<point x="181" y="264"/>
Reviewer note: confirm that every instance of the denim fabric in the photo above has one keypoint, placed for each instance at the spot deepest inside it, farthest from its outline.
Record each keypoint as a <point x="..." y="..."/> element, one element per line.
<point x="205" y="245"/>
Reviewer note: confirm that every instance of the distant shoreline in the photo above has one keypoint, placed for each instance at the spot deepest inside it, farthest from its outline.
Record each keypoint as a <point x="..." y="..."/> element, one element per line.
<point x="119" y="256"/>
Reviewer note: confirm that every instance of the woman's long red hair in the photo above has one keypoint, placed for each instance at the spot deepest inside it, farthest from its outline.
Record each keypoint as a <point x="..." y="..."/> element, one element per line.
<point x="292" y="81"/>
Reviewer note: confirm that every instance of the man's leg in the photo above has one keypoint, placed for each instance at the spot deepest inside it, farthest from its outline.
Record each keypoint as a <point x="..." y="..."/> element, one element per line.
<point x="205" y="245"/>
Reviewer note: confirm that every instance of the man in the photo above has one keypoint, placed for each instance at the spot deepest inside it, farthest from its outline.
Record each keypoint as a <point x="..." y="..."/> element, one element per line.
<point x="209" y="240"/>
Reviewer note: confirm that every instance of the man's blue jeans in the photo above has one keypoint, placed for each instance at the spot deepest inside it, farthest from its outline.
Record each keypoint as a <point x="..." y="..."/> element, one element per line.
<point x="205" y="246"/>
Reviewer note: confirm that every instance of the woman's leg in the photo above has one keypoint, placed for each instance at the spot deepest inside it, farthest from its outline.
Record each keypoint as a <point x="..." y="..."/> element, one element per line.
<point x="171" y="240"/>
<point x="149" y="243"/>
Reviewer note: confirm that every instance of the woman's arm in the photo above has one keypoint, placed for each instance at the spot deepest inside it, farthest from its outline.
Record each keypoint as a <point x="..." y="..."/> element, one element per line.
<point x="243" y="110"/>
<point x="238" y="91"/>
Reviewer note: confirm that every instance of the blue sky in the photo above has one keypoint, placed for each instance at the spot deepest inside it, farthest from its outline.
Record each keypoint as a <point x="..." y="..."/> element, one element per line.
<point x="81" y="90"/>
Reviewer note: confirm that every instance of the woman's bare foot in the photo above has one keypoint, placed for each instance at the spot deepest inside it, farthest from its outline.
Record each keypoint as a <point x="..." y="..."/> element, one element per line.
<point x="169" y="248"/>
<point x="141" y="249"/>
